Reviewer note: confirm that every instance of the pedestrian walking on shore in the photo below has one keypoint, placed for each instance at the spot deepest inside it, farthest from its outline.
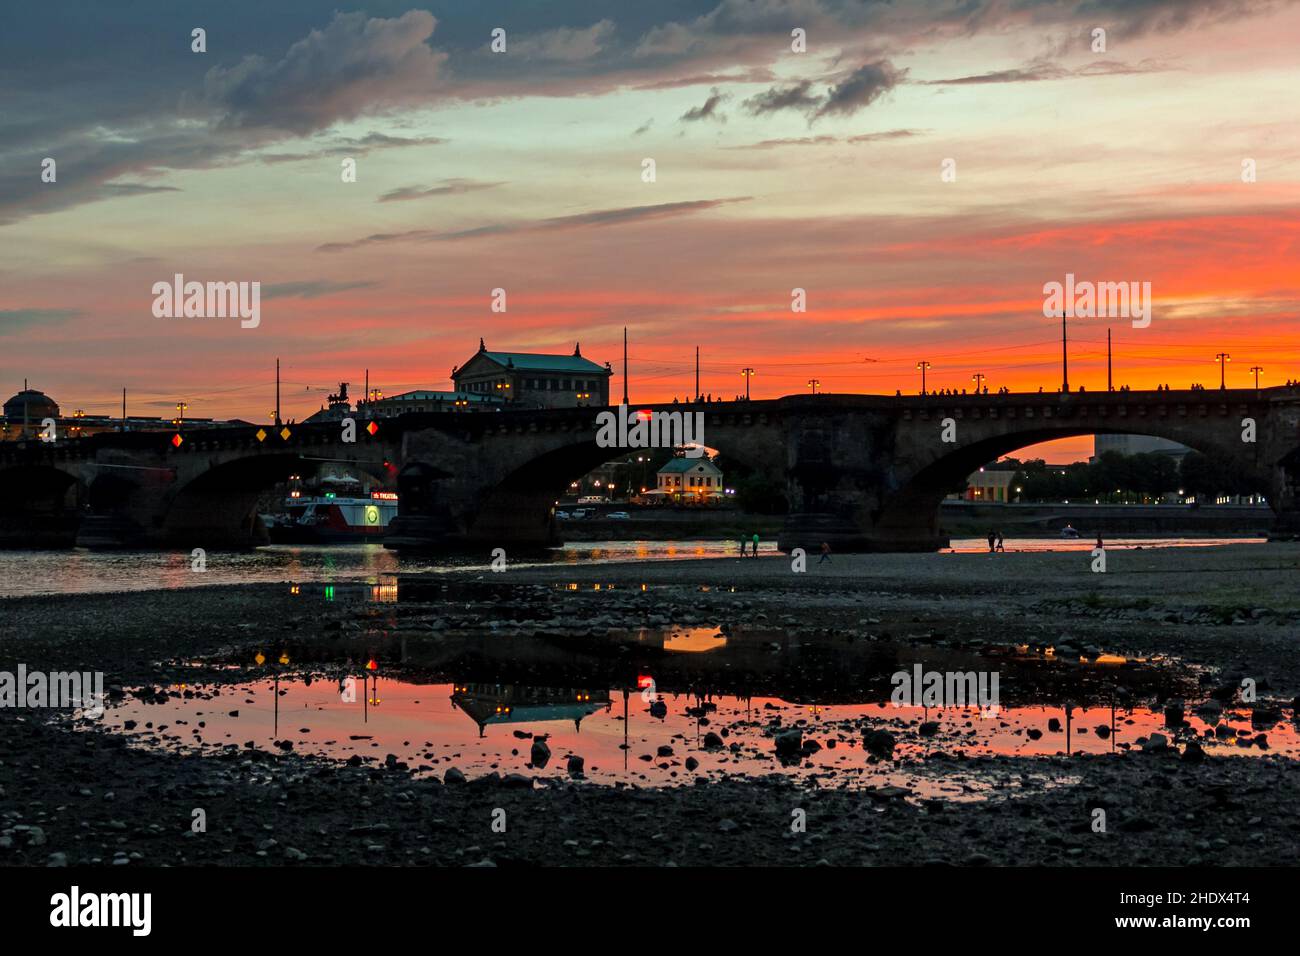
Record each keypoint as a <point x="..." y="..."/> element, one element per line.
<point x="756" y="544"/>
<point x="1001" y="547"/>
<point x="743" y="545"/>
<point x="1100" y="546"/>
<point x="993" y="537"/>
<point x="826" y="552"/>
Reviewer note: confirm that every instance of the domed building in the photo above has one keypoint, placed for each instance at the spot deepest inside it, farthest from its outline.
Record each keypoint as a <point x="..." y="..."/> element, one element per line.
<point x="32" y="405"/>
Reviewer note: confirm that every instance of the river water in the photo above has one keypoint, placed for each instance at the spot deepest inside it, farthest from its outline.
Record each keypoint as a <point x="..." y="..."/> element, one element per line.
<point x="25" y="573"/>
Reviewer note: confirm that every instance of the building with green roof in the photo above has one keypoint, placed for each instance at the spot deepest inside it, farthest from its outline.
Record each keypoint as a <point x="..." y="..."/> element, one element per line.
<point x="696" y="480"/>
<point x="534" y="379"/>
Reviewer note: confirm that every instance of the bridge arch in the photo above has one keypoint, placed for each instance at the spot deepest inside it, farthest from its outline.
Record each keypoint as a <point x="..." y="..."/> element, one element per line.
<point x="911" y="510"/>
<point x="508" y="497"/>
<point x="217" y="508"/>
<point x="40" y="505"/>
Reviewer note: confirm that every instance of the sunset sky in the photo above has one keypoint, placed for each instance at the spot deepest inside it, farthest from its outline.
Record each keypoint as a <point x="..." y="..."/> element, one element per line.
<point x="522" y="170"/>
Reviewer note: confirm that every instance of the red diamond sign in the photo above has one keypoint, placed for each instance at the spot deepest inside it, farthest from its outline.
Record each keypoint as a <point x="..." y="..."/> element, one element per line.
<point x="177" y="439"/>
<point x="372" y="428"/>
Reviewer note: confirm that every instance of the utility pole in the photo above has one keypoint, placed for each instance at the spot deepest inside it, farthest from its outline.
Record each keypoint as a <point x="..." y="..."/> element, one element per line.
<point x="625" y="365"/>
<point x="1110" y="387"/>
<point x="367" y="392"/>
<point x="697" y="371"/>
<point x="1223" y="358"/>
<point x="923" y="365"/>
<point x="123" y="409"/>
<point x="277" y="391"/>
<point x="1065" y="362"/>
<point x="978" y="379"/>
<point x="1257" y="369"/>
<point x="813" y="383"/>
<point x="748" y="373"/>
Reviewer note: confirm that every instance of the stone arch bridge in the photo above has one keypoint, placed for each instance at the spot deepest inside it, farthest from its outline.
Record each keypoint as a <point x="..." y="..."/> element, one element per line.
<point x="862" y="472"/>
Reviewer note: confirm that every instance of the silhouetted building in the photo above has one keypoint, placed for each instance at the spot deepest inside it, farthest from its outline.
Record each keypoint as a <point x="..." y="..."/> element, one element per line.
<point x="535" y="380"/>
<point x="1136" y="445"/>
<point x="422" y="401"/>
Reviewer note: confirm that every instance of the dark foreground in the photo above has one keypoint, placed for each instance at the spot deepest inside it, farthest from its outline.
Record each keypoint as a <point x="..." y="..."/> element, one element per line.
<point x="85" y="797"/>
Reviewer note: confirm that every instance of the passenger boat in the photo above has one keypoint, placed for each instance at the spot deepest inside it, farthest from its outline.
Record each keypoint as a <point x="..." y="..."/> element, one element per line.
<point x="335" y="512"/>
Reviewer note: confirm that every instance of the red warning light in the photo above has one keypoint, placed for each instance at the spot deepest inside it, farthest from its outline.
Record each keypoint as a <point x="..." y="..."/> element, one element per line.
<point x="645" y="680"/>
<point x="372" y="665"/>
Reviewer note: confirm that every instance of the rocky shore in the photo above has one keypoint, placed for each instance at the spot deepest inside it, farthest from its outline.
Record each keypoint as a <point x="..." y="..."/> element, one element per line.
<point x="83" y="796"/>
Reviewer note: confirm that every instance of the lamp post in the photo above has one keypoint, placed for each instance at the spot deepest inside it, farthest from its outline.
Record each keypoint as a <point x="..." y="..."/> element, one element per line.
<point x="1257" y="369"/>
<point x="813" y="383"/>
<point x="1065" y="362"/>
<point x="923" y="365"/>
<point x="180" y="414"/>
<point x="748" y="373"/>
<point x="1223" y="358"/>
<point x="978" y="379"/>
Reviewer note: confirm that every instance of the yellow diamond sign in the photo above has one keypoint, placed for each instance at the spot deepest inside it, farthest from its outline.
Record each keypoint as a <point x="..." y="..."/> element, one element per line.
<point x="260" y="434"/>
<point x="285" y="433"/>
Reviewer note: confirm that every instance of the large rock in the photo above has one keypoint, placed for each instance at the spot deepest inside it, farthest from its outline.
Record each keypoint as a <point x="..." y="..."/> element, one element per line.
<point x="541" y="753"/>
<point x="1174" y="714"/>
<point x="789" y="744"/>
<point x="879" y="743"/>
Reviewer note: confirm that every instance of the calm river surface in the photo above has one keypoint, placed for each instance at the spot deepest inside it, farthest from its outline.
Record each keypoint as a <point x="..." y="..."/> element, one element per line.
<point x="91" y="572"/>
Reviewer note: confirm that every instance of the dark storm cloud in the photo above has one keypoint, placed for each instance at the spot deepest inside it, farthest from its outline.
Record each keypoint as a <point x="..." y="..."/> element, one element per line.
<point x="1043" y="70"/>
<point x="599" y="218"/>
<point x="863" y="87"/>
<point x="828" y="140"/>
<point x="856" y="91"/>
<point x="449" y="187"/>
<point x="355" y="65"/>
<point x="797" y="97"/>
<point x="708" y="109"/>
<point x="114" y="92"/>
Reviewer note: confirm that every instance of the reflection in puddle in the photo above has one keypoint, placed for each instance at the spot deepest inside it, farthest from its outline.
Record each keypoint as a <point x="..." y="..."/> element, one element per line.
<point x="660" y="707"/>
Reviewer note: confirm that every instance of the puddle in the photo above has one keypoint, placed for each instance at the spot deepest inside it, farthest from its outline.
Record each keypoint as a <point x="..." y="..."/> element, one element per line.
<point x="639" y="707"/>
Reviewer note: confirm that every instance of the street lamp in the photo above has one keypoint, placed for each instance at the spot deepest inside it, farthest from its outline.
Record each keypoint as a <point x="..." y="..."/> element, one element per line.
<point x="923" y="365"/>
<point x="1223" y="358"/>
<point x="748" y="373"/>
<point x="813" y="383"/>
<point x="1257" y="369"/>
<point x="180" y="414"/>
<point x="978" y="379"/>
